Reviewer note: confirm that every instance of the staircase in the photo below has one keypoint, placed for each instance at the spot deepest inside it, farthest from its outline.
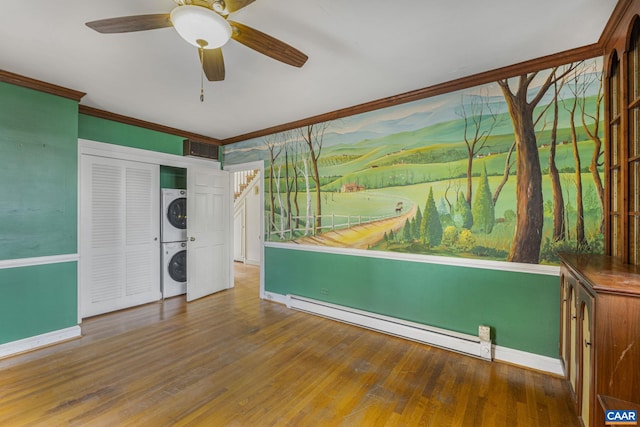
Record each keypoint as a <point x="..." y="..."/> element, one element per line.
<point x="241" y="181"/>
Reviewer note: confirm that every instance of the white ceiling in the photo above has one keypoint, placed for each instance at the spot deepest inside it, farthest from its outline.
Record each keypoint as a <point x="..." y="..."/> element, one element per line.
<point x="359" y="51"/>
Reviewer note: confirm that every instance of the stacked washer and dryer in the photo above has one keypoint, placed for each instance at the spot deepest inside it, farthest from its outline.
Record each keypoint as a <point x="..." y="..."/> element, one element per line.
<point x="174" y="242"/>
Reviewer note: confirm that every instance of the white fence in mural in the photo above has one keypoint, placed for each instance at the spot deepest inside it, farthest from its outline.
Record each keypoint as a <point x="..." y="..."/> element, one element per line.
<point x="333" y="222"/>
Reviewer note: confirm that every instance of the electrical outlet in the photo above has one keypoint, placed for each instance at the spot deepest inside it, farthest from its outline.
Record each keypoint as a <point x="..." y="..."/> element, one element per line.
<point x="485" y="350"/>
<point x="484" y="332"/>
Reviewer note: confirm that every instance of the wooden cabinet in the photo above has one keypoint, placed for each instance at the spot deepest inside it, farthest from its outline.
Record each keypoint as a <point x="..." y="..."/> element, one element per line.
<point x="600" y="331"/>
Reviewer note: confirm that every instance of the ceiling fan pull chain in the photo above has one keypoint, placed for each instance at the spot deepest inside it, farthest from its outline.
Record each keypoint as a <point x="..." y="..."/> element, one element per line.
<point x="201" y="75"/>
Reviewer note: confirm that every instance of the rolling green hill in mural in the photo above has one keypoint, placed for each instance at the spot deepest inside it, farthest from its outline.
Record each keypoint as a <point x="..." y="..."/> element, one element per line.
<point x="437" y="143"/>
<point x="398" y="173"/>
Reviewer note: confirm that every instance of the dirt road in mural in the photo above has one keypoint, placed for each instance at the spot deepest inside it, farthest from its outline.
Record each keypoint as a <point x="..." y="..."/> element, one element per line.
<point x="359" y="236"/>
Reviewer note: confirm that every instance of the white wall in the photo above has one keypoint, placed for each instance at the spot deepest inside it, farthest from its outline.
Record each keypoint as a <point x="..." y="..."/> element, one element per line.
<point x="252" y="222"/>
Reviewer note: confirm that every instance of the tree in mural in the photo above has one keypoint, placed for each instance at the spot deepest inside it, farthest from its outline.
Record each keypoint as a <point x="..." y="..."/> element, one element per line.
<point x="529" y="204"/>
<point x="307" y="189"/>
<point x="287" y="182"/>
<point x="291" y="148"/>
<point x="283" y="214"/>
<point x="462" y="216"/>
<point x="571" y="106"/>
<point x="297" y="172"/>
<point x="416" y="223"/>
<point x="313" y="136"/>
<point x="593" y="131"/>
<point x="274" y="148"/>
<point x="431" y="229"/>
<point x="558" y="232"/>
<point x="475" y="116"/>
<point x="508" y="164"/>
<point x="483" y="211"/>
<point x="406" y="231"/>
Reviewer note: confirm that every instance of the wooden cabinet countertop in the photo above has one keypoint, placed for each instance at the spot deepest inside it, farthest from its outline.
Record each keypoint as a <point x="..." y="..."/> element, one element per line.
<point x="604" y="273"/>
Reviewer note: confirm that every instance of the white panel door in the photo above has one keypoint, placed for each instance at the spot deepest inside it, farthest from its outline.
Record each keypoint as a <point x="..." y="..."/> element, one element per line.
<point x="119" y="223"/>
<point x="209" y="251"/>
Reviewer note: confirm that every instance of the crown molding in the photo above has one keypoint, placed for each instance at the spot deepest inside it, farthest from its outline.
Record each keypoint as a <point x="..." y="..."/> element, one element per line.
<point x="95" y="112"/>
<point x="532" y="65"/>
<point x="623" y="7"/>
<point x="39" y="85"/>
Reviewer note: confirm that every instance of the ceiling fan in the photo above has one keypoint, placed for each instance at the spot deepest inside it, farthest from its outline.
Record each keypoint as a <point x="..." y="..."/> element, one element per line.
<point x="204" y="24"/>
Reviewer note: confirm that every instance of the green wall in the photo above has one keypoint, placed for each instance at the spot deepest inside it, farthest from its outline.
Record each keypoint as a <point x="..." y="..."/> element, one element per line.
<point x="521" y="308"/>
<point x="102" y="130"/>
<point x="36" y="300"/>
<point x="38" y="150"/>
<point x="38" y="213"/>
<point x="171" y="177"/>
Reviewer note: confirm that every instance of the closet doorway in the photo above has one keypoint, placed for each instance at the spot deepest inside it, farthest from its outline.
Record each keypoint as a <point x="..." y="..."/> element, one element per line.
<point x="119" y="226"/>
<point x="248" y="214"/>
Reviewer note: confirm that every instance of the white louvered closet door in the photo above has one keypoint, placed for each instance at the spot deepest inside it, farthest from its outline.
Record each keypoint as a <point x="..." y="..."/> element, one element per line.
<point x="119" y="234"/>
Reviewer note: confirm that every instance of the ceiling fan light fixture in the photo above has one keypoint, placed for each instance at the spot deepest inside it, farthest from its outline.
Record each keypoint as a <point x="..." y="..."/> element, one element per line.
<point x="200" y="26"/>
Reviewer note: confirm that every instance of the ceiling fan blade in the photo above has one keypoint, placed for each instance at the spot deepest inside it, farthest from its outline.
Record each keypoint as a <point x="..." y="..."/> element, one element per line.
<point x="126" y="24"/>
<point x="235" y="5"/>
<point x="213" y="64"/>
<point x="267" y="45"/>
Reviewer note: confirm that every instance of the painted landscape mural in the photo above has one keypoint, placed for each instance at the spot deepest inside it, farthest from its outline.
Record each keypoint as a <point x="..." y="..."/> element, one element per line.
<point x="508" y="171"/>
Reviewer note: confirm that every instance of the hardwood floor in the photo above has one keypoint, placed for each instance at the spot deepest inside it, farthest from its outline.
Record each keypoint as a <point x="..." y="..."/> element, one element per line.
<point x="233" y="360"/>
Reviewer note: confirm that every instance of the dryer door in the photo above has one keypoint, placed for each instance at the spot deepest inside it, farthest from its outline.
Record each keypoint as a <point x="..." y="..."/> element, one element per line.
<point x="177" y="267"/>
<point x="174" y="216"/>
<point x="177" y="213"/>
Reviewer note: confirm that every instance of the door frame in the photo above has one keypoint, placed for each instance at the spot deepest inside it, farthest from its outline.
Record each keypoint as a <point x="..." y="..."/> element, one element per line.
<point x="102" y="149"/>
<point x="250" y="166"/>
<point x="241" y="215"/>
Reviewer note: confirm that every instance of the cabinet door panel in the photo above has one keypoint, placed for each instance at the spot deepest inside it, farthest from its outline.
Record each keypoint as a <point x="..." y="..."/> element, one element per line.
<point x="572" y="336"/>
<point x="585" y="346"/>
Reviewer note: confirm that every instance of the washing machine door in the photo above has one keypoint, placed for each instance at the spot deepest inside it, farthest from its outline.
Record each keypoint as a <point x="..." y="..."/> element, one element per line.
<point x="177" y="213"/>
<point x="177" y="267"/>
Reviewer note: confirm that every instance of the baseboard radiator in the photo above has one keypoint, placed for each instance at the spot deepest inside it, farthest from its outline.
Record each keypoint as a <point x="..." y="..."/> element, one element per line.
<point x="450" y="340"/>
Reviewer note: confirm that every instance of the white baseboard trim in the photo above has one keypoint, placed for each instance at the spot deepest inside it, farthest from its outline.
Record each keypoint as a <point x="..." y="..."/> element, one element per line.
<point x="529" y="360"/>
<point x="280" y="299"/>
<point x="450" y="340"/>
<point x="32" y="343"/>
